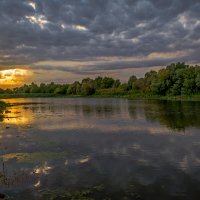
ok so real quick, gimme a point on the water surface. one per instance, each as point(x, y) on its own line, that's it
point(82, 148)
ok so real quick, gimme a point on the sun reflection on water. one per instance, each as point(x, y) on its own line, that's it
point(17, 115)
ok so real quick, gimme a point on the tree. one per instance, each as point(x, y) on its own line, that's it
point(107, 82)
point(34, 88)
point(124, 87)
point(197, 80)
point(98, 82)
point(74, 88)
point(87, 86)
point(117, 83)
point(131, 81)
point(60, 89)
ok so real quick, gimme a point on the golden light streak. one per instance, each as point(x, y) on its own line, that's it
point(17, 115)
point(12, 77)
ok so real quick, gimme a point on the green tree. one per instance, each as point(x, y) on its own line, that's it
point(74, 88)
point(107, 82)
point(131, 81)
point(87, 86)
point(34, 88)
point(98, 82)
point(117, 83)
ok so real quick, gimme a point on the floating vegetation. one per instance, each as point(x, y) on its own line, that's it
point(28, 126)
point(35, 157)
point(98, 192)
point(2, 105)
point(82, 194)
point(2, 110)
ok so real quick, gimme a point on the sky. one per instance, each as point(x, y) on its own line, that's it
point(67, 40)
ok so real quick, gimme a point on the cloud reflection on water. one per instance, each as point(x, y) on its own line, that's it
point(157, 117)
point(113, 141)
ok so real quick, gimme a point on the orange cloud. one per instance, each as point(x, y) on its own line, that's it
point(12, 77)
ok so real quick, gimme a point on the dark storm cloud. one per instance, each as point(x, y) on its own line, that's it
point(34, 31)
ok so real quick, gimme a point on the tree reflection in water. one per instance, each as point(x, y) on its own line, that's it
point(177, 115)
point(125, 164)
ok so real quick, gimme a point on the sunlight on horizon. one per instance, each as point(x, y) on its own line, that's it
point(12, 77)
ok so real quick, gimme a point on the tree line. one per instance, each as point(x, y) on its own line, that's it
point(175, 79)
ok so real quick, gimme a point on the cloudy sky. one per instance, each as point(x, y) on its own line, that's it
point(66, 40)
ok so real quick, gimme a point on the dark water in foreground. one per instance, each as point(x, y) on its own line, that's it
point(58, 149)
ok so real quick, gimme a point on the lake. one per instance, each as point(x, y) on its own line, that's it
point(87, 148)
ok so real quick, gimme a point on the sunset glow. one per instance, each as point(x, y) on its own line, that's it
point(12, 77)
point(66, 41)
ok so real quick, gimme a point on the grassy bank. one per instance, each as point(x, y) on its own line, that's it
point(99, 94)
point(26, 95)
point(36, 95)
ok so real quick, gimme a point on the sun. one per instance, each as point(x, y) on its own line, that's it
point(12, 77)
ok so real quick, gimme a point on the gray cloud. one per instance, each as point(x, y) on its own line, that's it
point(35, 31)
point(91, 69)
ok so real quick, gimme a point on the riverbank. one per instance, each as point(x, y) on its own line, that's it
point(107, 95)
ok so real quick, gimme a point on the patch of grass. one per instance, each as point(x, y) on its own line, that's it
point(98, 192)
point(79, 194)
point(34, 157)
point(27, 95)
point(101, 93)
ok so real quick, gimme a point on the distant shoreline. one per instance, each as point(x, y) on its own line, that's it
point(176, 81)
point(130, 97)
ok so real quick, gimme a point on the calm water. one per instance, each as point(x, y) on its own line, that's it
point(59, 149)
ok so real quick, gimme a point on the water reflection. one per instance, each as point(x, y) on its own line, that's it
point(175, 115)
point(17, 115)
point(102, 148)
point(13, 177)
point(2, 110)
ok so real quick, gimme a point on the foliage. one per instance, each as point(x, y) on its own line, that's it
point(176, 79)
